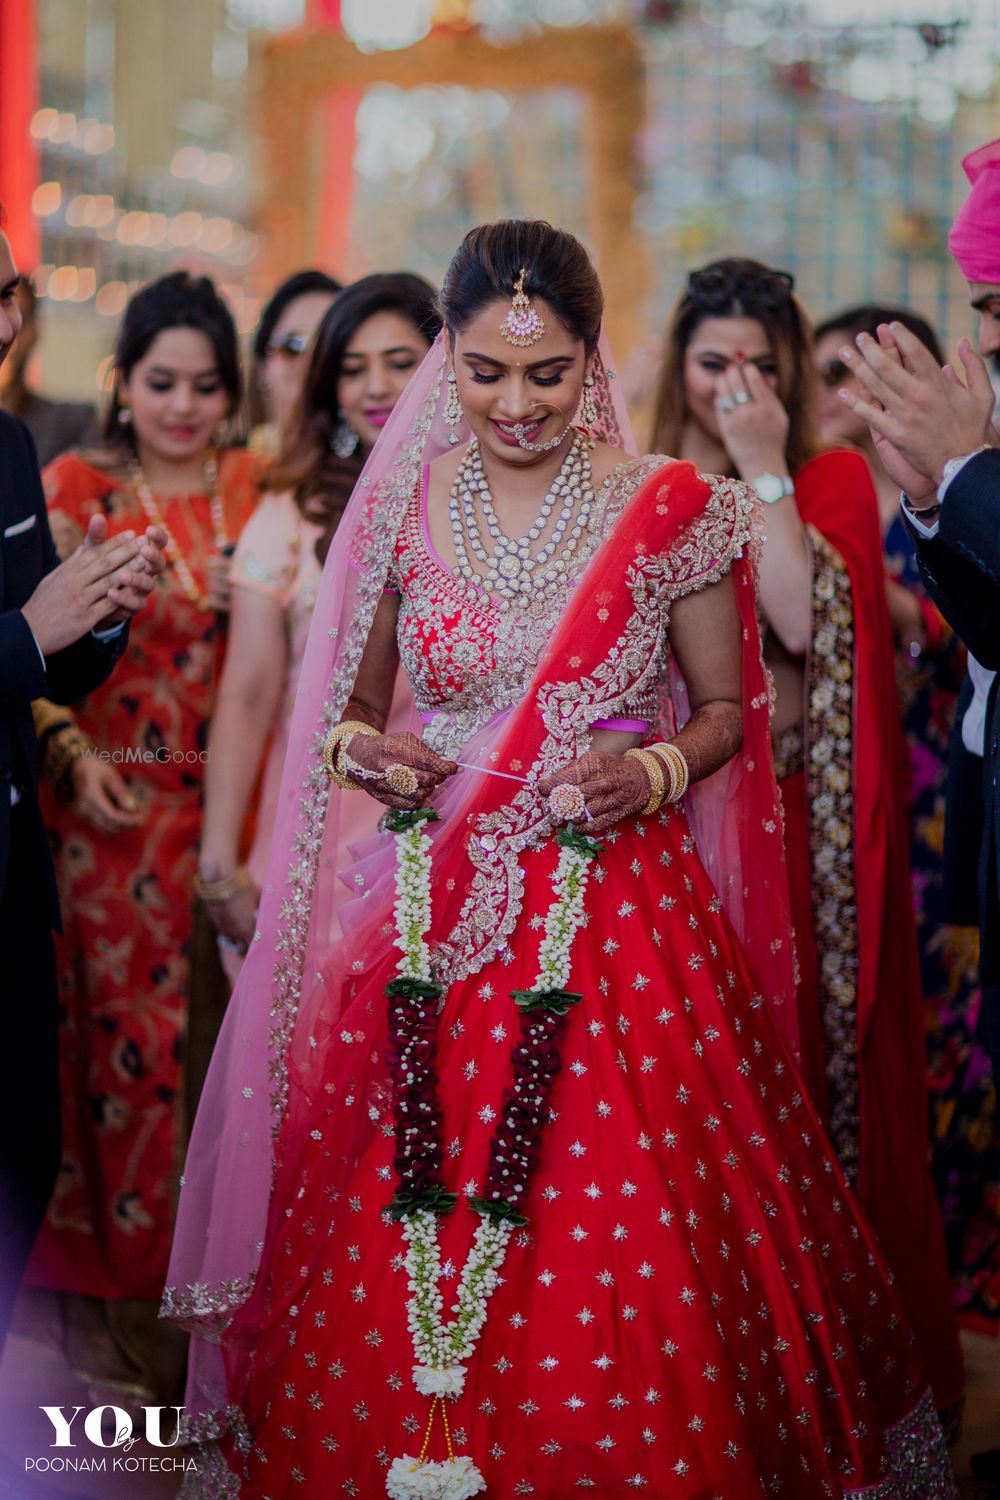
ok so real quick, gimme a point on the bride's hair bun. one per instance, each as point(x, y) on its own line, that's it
point(557, 268)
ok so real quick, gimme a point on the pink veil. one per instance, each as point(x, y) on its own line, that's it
point(323, 907)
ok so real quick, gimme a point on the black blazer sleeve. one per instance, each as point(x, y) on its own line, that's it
point(961, 565)
point(22, 671)
point(75, 671)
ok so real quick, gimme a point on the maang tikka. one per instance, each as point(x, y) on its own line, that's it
point(522, 326)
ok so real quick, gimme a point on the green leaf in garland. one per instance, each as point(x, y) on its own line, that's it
point(414, 989)
point(497, 1209)
point(432, 1200)
point(399, 819)
point(569, 837)
point(556, 1001)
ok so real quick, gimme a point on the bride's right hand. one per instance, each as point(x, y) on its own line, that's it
point(397, 769)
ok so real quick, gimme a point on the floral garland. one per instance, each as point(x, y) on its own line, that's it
point(421, 1198)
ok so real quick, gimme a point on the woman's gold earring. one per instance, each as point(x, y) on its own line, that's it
point(588, 409)
point(453, 413)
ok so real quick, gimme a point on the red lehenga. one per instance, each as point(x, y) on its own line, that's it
point(696, 1307)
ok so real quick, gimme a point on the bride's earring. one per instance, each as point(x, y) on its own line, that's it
point(453, 413)
point(588, 408)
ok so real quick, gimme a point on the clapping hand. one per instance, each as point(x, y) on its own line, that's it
point(129, 588)
point(75, 597)
point(920, 415)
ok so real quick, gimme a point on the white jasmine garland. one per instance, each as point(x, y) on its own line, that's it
point(409, 1479)
point(440, 1346)
point(563, 918)
point(449, 1382)
point(413, 902)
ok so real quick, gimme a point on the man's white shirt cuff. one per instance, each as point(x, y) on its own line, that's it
point(954, 467)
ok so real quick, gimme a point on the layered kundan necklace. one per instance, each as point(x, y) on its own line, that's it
point(441, 1348)
point(515, 568)
point(175, 556)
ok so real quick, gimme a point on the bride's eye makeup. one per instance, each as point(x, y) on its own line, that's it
point(482, 378)
point(488, 374)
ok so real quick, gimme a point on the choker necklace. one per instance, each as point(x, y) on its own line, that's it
point(513, 571)
point(175, 556)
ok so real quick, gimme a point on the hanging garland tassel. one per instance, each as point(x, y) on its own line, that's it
point(421, 1198)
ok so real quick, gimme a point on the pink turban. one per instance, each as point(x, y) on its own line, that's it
point(974, 240)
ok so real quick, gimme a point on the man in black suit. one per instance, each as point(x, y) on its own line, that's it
point(62, 628)
point(935, 436)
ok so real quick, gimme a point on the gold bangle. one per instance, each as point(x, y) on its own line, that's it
point(685, 771)
point(221, 890)
point(345, 730)
point(670, 767)
point(657, 782)
point(62, 748)
point(675, 761)
point(677, 765)
point(50, 717)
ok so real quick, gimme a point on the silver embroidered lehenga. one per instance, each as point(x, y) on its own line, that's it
point(695, 1306)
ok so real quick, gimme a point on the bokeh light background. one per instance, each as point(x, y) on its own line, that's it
point(824, 136)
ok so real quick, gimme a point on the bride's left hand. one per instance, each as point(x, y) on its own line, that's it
point(613, 788)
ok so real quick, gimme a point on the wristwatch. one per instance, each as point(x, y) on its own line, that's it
point(773, 487)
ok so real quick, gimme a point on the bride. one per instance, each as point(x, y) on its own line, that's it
point(503, 1179)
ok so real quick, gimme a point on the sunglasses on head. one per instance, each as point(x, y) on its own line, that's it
point(291, 345)
point(833, 373)
point(716, 289)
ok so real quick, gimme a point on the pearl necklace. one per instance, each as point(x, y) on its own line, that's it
point(175, 556)
point(513, 570)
